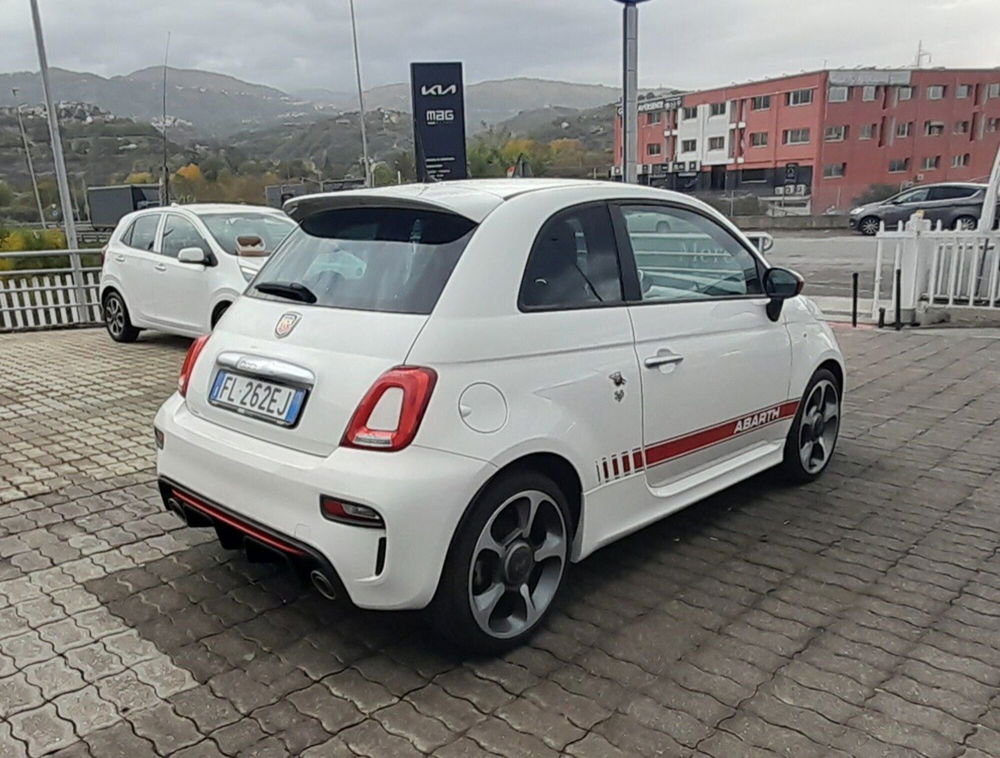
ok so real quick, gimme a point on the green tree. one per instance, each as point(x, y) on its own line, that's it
point(6, 195)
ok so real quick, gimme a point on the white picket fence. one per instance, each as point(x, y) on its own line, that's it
point(48, 298)
point(939, 268)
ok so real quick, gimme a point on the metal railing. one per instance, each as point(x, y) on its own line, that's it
point(57, 291)
point(938, 267)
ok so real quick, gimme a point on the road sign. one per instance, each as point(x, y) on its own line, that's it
point(438, 121)
point(791, 173)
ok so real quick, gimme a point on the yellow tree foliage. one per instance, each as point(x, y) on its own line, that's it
point(140, 177)
point(565, 146)
point(191, 172)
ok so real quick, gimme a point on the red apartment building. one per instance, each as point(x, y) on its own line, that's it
point(823, 137)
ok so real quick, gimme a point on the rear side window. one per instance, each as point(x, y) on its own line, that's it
point(179, 233)
point(394, 260)
point(142, 235)
point(951, 193)
point(573, 263)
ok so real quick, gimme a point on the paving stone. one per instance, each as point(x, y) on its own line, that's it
point(18, 694)
point(42, 729)
point(86, 710)
point(54, 677)
point(164, 728)
point(119, 741)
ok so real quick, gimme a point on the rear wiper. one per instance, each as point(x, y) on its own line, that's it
point(290, 290)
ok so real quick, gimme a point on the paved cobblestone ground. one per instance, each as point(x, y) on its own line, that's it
point(858, 616)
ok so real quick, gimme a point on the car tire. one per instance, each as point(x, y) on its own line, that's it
point(869, 225)
point(116, 318)
point(813, 437)
point(966, 223)
point(495, 590)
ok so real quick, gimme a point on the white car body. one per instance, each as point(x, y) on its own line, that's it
point(567, 390)
point(164, 293)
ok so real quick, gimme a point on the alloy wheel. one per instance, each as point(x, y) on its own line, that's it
point(114, 315)
point(870, 226)
point(517, 564)
point(819, 426)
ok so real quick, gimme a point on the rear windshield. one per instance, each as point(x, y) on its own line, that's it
point(393, 260)
point(226, 227)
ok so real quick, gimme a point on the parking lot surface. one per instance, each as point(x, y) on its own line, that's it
point(857, 616)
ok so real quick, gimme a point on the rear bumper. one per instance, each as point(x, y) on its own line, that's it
point(272, 494)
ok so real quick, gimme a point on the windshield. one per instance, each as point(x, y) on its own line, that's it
point(226, 227)
point(376, 259)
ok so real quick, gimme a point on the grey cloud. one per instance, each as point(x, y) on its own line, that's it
point(688, 43)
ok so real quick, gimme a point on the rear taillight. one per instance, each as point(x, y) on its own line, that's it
point(189, 360)
point(387, 420)
point(104, 254)
point(350, 513)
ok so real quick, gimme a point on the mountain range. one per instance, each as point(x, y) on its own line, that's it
point(217, 105)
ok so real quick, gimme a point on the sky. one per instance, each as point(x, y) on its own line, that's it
point(299, 44)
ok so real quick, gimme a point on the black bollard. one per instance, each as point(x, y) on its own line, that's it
point(899, 299)
point(881, 318)
point(854, 299)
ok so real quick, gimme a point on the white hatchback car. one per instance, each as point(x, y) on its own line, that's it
point(178, 269)
point(441, 395)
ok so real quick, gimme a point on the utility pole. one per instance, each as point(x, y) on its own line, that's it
point(65, 200)
point(27, 158)
point(921, 55)
point(166, 171)
point(630, 88)
point(361, 98)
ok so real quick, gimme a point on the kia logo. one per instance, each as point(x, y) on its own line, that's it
point(438, 90)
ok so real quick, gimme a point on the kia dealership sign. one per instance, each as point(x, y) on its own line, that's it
point(438, 121)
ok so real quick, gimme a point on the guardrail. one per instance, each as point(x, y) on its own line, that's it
point(59, 290)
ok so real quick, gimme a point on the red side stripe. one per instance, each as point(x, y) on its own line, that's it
point(267, 539)
point(675, 448)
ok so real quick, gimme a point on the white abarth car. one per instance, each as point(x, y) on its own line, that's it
point(178, 269)
point(442, 395)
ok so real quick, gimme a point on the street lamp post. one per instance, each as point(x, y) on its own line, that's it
point(361, 98)
point(27, 159)
point(630, 87)
point(65, 199)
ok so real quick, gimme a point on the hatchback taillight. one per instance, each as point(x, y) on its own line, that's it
point(188, 366)
point(104, 254)
point(393, 426)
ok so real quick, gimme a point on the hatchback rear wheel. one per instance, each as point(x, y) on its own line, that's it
point(869, 226)
point(966, 223)
point(506, 564)
point(116, 319)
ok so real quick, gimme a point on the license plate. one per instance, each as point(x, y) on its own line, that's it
point(272, 402)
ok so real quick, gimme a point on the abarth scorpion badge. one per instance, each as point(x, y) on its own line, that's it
point(286, 323)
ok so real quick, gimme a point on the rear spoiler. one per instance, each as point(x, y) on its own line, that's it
point(474, 206)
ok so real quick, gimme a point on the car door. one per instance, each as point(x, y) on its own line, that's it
point(716, 402)
point(903, 206)
point(135, 264)
point(184, 293)
point(946, 203)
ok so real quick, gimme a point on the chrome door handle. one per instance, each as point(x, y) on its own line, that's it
point(120, 258)
point(668, 359)
point(161, 267)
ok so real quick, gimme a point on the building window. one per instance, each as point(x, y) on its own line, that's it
point(799, 97)
point(993, 90)
point(869, 93)
point(835, 133)
point(868, 131)
point(796, 136)
point(654, 148)
point(717, 109)
point(904, 93)
point(931, 162)
point(834, 170)
point(961, 127)
point(935, 92)
point(958, 161)
point(654, 118)
point(716, 143)
point(689, 146)
point(758, 139)
point(760, 103)
point(839, 94)
point(963, 91)
point(904, 129)
point(993, 125)
point(690, 113)
point(898, 165)
point(933, 128)
point(753, 176)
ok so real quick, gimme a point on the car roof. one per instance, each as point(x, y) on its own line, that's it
point(472, 198)
point(975, 185)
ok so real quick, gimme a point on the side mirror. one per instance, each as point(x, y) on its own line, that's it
point(250, 246)
point(780, 284)
point(191, 255)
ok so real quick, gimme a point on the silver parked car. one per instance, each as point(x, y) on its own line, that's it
point(957, 205)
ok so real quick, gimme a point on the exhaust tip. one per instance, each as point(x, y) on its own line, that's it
point(323, 585)
point(174, 506)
